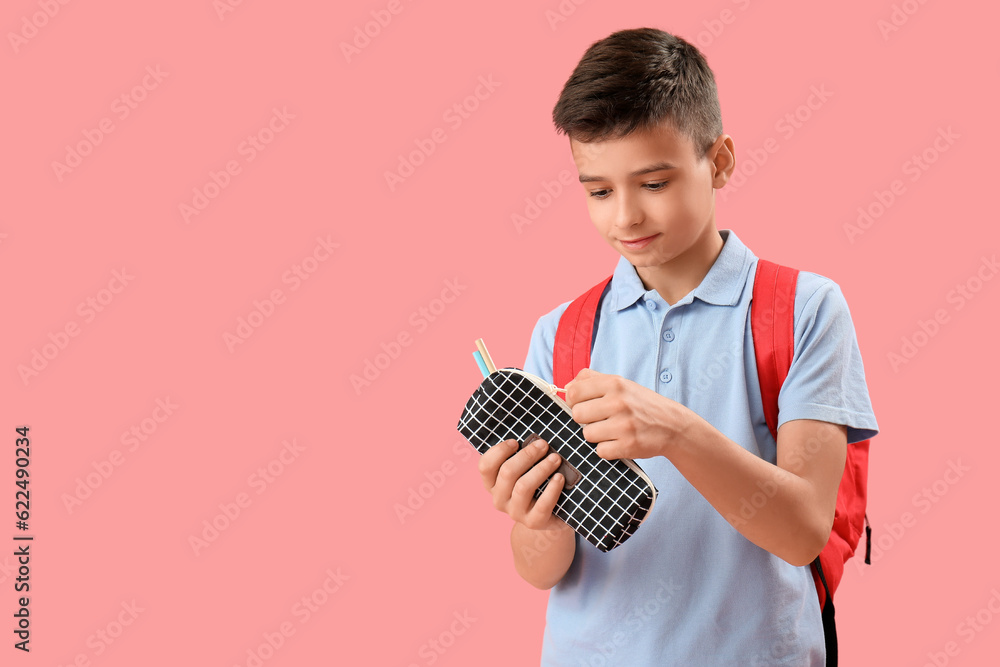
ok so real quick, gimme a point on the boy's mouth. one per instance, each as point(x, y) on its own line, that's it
point(639, 242)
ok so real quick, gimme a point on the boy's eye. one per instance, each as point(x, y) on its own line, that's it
point(653, 187)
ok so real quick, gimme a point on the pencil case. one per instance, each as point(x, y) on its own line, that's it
point(604, 501)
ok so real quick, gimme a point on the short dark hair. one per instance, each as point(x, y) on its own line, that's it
point(634, 80)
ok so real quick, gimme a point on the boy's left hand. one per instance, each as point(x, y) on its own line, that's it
point(625, 419)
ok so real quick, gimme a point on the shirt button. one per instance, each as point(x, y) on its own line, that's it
point(668, 335)
point(650, 304)
point(665, 376)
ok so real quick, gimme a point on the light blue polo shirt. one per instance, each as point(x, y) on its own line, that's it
point(688, 588)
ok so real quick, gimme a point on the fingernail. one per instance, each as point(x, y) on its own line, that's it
point(530, 439)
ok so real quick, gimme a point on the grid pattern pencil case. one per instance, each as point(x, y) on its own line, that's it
point(610, 499)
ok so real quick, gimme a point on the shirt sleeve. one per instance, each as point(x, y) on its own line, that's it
point(543, 337)
point(826, 380)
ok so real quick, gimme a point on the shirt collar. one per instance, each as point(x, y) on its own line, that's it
point(722, 285)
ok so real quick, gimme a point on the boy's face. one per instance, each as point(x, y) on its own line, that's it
point(634, 194)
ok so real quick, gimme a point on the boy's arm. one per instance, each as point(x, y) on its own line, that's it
point(542, 557)
point(786, 509)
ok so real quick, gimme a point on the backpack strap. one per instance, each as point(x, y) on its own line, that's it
point(771, 319)
point(571, 350)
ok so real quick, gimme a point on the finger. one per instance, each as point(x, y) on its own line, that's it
point(523, 494)
point(546, 503)
point(587, 385)
point(610, 450)
point(572, 393)
point(515, 466)
point(601, 431)
point(490, 462)
point(588, 411)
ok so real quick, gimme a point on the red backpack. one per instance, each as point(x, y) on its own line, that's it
point(771, 321)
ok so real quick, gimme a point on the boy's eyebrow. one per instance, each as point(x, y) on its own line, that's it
point(659, 166)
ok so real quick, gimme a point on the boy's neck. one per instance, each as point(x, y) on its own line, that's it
point(686, 271)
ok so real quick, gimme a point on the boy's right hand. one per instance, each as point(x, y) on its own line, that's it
point(511, 477)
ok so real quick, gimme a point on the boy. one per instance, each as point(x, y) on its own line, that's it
point(673, 384)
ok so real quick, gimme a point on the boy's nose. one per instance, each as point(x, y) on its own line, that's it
point(627, 214)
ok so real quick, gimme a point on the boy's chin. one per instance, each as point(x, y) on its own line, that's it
point(644, 260)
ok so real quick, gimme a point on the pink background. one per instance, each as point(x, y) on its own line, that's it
point(399, 585)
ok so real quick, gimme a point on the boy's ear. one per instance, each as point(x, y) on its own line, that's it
point(722, 155)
